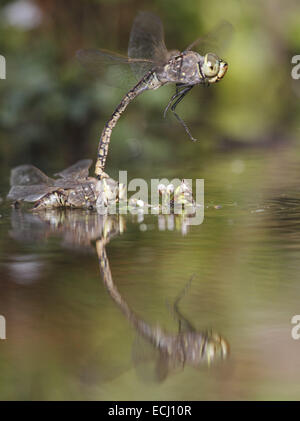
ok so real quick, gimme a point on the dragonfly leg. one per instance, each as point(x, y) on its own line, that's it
point(177, 94)
point(170, 102)
point(182, 95)
point(183, 323)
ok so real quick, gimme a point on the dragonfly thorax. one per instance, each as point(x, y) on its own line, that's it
point(182, 68)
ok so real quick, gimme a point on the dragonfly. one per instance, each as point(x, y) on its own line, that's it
point(72, 189)
point(154, 67)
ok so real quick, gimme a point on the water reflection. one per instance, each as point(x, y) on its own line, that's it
point(25, 269)
point(83, 230)
point(174, 350)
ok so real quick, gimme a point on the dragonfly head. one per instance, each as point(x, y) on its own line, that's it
point(213, 68)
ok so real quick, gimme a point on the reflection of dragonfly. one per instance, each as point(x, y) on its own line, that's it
point(78, 228)
point(155, 66)
point(74, 188)
point(188, 346)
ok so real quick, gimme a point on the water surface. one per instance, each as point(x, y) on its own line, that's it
point(67, 338)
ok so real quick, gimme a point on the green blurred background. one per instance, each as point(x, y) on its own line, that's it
point(52, 112)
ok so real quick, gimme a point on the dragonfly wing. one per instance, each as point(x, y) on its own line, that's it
point(147, 41)
point(114, 67)
point(79, 170)
point(216, 41)
point(28, 175)
point(29, 193)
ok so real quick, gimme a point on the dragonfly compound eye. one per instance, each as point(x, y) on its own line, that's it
point(211, 65)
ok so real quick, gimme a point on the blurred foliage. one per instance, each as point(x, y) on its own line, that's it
point(52, 112)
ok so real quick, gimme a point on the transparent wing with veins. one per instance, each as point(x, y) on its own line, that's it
point(147, 41)
point(30, 184)
point(115, 68)
point(77, 171)
point(216, 41)
point(146, 50)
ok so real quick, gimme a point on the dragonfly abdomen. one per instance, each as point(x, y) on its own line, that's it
point(149, 81)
